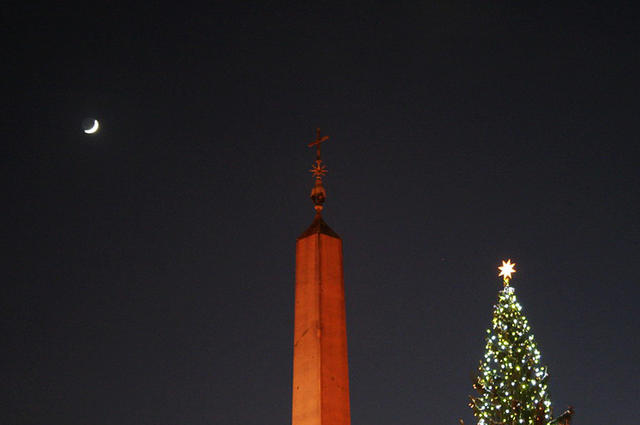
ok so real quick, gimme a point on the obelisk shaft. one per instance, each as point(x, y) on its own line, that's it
point(320, 368)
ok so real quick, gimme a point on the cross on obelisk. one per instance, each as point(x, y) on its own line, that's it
point(318, 194)
point(317, 143)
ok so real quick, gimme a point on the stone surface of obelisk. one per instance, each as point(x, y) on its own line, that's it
point(320, 367)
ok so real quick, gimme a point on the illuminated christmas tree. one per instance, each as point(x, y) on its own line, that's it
point(511, 381)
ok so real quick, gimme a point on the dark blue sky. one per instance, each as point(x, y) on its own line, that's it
point(149, 270)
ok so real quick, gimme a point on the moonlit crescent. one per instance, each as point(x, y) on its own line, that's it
point(94, 128)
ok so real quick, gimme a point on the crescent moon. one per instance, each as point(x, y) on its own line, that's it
point(93, 129)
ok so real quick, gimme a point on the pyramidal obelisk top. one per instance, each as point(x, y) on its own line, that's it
point(320, 393)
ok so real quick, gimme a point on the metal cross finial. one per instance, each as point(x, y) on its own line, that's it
point(318, 194)
point(317, 142)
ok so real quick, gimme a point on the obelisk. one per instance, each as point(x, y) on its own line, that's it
point(320, 369)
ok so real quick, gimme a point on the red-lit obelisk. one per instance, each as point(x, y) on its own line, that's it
point(320, 370)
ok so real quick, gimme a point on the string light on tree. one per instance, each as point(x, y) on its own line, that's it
point(511, 381)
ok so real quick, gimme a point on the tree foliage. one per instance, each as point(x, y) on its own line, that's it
point(511, 382)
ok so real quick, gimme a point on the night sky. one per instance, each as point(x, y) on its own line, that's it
point(149, 268)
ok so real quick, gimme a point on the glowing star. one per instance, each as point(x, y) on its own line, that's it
point(507, 269)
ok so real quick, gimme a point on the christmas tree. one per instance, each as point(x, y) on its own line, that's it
point(511, 381)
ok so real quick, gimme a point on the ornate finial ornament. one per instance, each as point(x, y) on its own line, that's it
point(318, 194)
point(506, 270)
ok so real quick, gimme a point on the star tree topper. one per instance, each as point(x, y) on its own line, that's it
point(506, 270)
